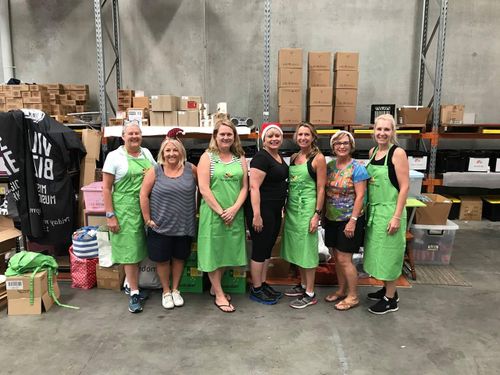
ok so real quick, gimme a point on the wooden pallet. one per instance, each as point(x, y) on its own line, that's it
point(469, 129)
point(64, 119)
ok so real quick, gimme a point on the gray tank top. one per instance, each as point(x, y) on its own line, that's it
point(172, 202)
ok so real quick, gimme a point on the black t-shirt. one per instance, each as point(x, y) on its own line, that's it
point(275, 185)
point(390, 166)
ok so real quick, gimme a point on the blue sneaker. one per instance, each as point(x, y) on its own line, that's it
point(143, 294)
point(134, 304)
point(271, 291)
point(262, 297)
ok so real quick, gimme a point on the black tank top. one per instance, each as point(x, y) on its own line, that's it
point(310, 168)
point(390, 166)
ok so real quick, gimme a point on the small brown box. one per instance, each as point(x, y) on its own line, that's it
point(346, 79)
point(413, 115)
point(344, 115)
point(290, 58)
point(452, 114)
point(435, 212)
point(290, 115)
point(188, 103)
point(125, 93)
point(345, 97)
point(110, 277)
point(346, 61)
point(289, 77)
point(320, 115)
point(170, 118)
point(164, 103)
point(471, 208)
point(54, 86)
point(290, 96)
point(140, 101)
point(188, 118)
point(319, 61)
point(320, 96)
point(156, 118)
point(75, 87)
point(319, 78)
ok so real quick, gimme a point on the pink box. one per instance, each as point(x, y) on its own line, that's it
point(93, 197)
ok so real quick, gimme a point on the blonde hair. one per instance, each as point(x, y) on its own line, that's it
point(236, 148)
point(314, 144)
point(178, 144)
point(339, 135)
point(387, 117)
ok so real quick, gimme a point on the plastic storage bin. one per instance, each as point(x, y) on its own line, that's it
point(491, 207)
point(93, 197)
point(416, 179)
point(433, 244)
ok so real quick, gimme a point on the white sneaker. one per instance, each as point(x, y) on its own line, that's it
point(167, 301)
point(178, 300)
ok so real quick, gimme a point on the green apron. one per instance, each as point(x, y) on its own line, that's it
point(383, 253)
point(220, 245)
point(299, 246)
point(129, 244)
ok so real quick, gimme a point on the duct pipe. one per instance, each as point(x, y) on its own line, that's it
point(5, 41)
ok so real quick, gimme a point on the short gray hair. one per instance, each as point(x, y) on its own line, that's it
point(127, 124)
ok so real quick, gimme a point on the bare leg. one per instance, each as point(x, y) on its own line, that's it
point(257, 268)
point(132, 275)
point(350, 273)
point(163, 271)
point(177, 269)
point(220, 298)
point(303, 277)
point(341, 291)
point(390, 288)
point(310, 274)
point(264, 270)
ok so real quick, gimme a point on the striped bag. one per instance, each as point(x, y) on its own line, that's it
point(85, 242)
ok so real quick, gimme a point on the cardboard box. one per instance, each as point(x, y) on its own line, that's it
point(290, 115)
point(289, 77)
point(413, 115)
point(8, 235)
point(137, 114)
point(189, 103)
point(344, 115)
point(290, 58)
point(320, 115)
point(346, 61)
point(94, 218)
point(319, 61)
point(125, 94)
point(319, 78)
point(471, 208)
point(171, 119)
point(91, 140)
point(436, 211)
point(346, 79)
point(164, 103)
point(110, 277)
point(87, 171)
point(320, 96)
point(188, 118)
point(290, 96)
point(452, 114)
point(345, 97)
point(140, 102)
point(156, 118)
point(18, 294)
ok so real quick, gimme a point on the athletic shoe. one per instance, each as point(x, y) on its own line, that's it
point(295, 291)
point(379, 294)
point(167, 301)
point(143, 294)
point(177, 298)
point(384, 306)
point(134, 304)
point(269, 290)
point(304, 301)
point(262, 297)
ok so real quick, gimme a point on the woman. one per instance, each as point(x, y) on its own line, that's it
point(307, 179)
point(123, 172)
point(386, 224)
point(223, 184)
point(344, 221)
point(268, 187)
point(169, 208)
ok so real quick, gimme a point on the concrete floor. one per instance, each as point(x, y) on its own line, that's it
point(438, 330)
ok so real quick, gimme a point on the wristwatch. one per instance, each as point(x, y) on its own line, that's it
point(109, 215)
point(318, 212)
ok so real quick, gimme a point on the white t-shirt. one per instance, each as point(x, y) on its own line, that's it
point(116, 162)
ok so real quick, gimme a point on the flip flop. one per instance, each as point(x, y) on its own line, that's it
point(221, 307)
point(335, 298)
point(228, 296)
point(344, 305)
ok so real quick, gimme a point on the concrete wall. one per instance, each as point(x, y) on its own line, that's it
point(163, 47)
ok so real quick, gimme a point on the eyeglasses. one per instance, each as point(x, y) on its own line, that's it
point(345, 144)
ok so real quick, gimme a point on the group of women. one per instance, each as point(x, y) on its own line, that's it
point(162, 195)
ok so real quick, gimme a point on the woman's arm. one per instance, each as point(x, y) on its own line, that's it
point(319, 166)
point(147, 186)
point(359, 191)
point(400, 161)
point(230, 212)
point(203, 173)
point(108, 180)
point(195, 172)
point(256, 178)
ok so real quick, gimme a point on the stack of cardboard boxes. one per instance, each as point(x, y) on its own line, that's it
point(320, 90)
point(345, 84)
point(171, 110)
point(290, 86)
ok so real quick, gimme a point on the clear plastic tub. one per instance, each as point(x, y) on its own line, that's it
point(433, 244)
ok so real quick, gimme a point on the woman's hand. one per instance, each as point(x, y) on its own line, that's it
point(313, 224)
point(393, 225)
point(349, 229)
point(257, 223)
point(151, 224)
point(113, 225)
point(228, 215)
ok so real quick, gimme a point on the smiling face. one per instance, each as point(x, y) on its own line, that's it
point(132, 137)
point(273, 139)
point(383, 132)
point(171, 154)
point(225, 138)
point(304, 137)
point(342, 146)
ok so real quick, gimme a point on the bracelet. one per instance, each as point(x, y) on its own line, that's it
point(354, 218)
point(396, 217)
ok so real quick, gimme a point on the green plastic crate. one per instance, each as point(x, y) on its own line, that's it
point(192, 280)
point(234, 280)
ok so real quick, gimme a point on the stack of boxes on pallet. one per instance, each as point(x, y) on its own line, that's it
point(290, 86)
point(53, 98)
point(320, 90)
point(345, 84)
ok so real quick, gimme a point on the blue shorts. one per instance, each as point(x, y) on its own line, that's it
point(162, 248)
